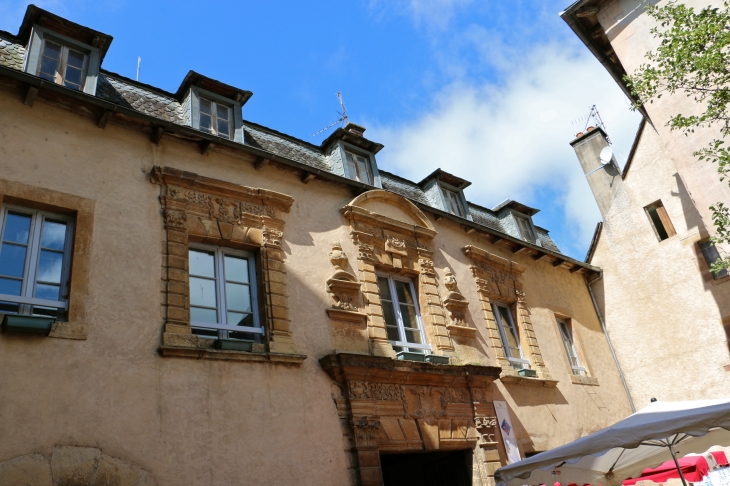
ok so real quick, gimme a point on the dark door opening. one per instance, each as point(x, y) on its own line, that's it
point(449, 468)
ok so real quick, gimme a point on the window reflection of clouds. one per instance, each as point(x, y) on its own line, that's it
point(54, 235)
point(49, 267)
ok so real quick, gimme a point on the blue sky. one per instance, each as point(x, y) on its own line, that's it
point(485, 89)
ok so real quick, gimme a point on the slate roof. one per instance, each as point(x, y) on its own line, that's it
point(166, 106)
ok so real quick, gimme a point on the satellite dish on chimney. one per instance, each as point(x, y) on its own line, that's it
point(606, 155)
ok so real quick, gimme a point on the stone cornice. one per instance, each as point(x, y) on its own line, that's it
point(492, 259)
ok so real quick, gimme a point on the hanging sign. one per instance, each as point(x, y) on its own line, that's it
point(508, 433)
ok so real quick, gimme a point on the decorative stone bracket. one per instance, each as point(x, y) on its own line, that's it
point(197, 208)
point(456, 304)
point(344, 289)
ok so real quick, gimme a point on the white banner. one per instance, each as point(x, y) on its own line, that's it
point(508, 433)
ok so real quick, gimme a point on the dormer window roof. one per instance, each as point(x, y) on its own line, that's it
point(521, 215)
point(445, 191)
point(353, 155)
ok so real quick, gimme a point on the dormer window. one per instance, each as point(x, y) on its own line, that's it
point(452, 202)
point(62, 60)
point(215, 118)
point(358, 168)
point(525, 226)
point(62, 65)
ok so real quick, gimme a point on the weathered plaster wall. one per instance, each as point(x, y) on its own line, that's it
point(663, 309)
point(628, 28)
point(208, 422)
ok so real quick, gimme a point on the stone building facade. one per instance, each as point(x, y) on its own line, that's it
point(193, 298)
point(666, 313)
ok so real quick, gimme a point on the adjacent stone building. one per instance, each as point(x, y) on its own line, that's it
point(192, 298)
point(665, 312)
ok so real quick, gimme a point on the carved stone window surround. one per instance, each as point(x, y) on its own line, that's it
point(499, 280)
point(83, 210)
point(201, 209)
point(395, 247)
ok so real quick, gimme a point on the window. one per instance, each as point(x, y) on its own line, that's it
point(709, 251)
point(215, 118)
point(223, 293)
point(358, 167)
point(35, 254)
point(566, 334)
point(401, 314)
point(62, 65)
point(452, 202)
point(510, 336)
point(660, 220)
point(525, 226)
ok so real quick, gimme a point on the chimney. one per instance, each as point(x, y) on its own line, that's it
point(355, 129)
point(605, 180)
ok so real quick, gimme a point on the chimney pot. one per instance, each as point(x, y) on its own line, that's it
point(590, 129)
point(579, 134)
point(355, 129)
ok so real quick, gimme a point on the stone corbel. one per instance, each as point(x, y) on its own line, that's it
point(344, 289)
point(456, 304)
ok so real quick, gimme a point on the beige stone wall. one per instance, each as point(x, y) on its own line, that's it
point(663, 309)
point(203, 421)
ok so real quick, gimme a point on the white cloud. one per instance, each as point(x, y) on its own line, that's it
point(512, 139)
point(432, 13)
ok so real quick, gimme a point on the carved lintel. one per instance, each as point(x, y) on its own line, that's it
point(396, 245)
point(176, 220)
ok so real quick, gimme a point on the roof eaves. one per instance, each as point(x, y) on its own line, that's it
point(594, 242)
point(634, 146)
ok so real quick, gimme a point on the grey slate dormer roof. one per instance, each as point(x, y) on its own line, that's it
point(170, 107)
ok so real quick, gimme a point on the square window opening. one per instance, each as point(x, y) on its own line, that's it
point(663, 227)
point(402, 314)
point(62, 65)
point(525, 226)
point(452, 202)
point(35, 258)
point(358, 167)
point(566, 335)
point(223, 294)
point(711, 255)
point(215, 118)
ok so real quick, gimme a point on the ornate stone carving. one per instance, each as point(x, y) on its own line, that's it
point(344, 289)
point(396, 245)
point(225, 210)
point(366, 431)
point(176, 220)
point(272, 237)
point(366, 252)
point(426, 267)
point(456, 305)
point(449, 280)
point(337, 256)
point(486, 427)
point(376, 391)
point(424, 401)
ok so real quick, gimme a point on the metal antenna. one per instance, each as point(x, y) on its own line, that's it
point(139, 61)
point(595, 116)
point(343, 116)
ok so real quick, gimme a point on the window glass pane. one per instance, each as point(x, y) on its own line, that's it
point(525, 229)
point(202, 292)
point(239, 319)
point(403, 291)
point(49, 68)
point(54, 235)
point(418, 351)
point(49, 266)
point(12, 260)
point(408, 312)
point(17, 228)
point(236, 269)
point(352, 169)
point(509, 332)
point(47, 311)
point(72, 78)
point(201, 263)
point(388, 313)
point(383, 289)
point(392, 332)
point(222, 112)
point(75, 59)
point(224, 130)
point(209, 316)
point(52, 50)
point(44, 291)
point(205, 107)
point(205, 332)
point(363, 169)
point(238, 297)
point(9, 287)
point(206, 123)
point(413, 336)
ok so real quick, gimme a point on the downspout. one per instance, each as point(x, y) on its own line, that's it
point(608, 339)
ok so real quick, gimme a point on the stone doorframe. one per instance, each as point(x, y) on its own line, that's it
point(499, 280)
point(387, 405)
point(396, 247)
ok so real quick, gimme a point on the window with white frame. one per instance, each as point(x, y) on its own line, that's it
point(525, 226)
point(510, 336)
point(402, 315)
point(358, 167)
point(223, 293)
point(62, 65)
point(453, 203)
point(566, 334)
point(215, 118)
point(35, 256)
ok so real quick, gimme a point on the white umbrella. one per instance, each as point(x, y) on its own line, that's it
point(645, 439)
